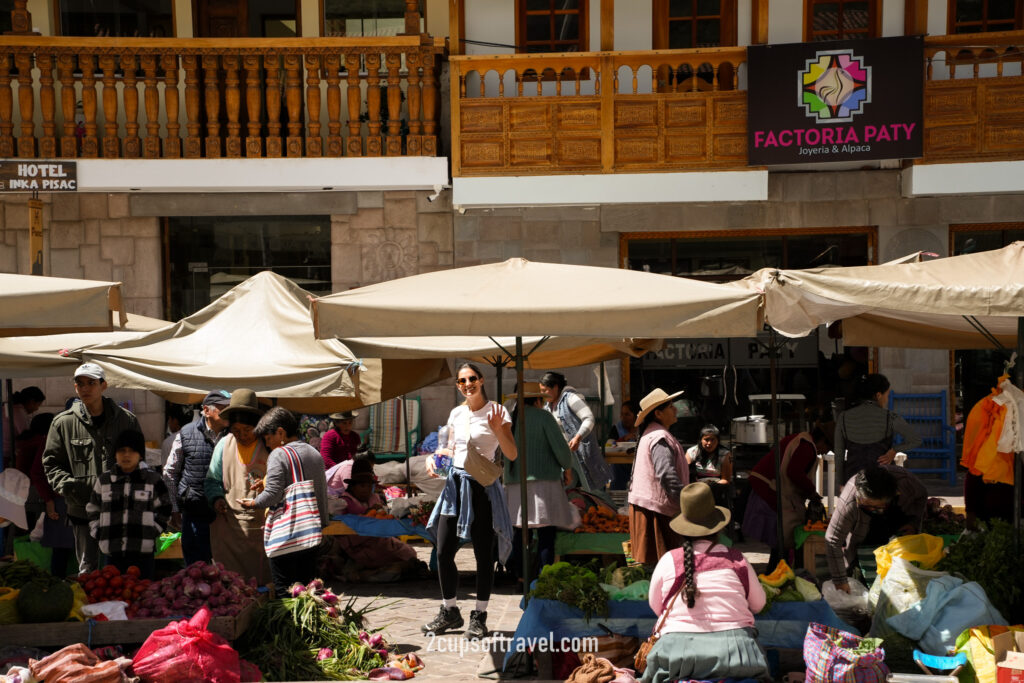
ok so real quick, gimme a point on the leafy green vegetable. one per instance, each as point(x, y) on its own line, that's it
point(989, 557)
point(576, 586)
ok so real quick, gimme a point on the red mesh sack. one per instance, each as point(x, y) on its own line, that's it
point(186, 651)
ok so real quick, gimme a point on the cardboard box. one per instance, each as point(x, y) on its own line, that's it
point(1008, 649)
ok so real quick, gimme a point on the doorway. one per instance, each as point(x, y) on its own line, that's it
point(245, 18)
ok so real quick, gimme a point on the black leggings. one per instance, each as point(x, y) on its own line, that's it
point(482, 533)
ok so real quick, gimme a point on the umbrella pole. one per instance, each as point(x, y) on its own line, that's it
point(776, 439)
point(604, 412)
point(521, 449)
point(3, 455)
point(408, 449)
point(1018, 470)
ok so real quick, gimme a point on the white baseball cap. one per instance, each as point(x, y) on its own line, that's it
point(91, 370)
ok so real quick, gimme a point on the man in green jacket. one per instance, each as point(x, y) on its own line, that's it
point(79, 447)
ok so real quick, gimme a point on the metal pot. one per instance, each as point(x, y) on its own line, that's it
point(754, 429)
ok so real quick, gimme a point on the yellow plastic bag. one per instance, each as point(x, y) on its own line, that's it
point(8, 609)
point(81, 599)
point(981, 660)
point(924, 549)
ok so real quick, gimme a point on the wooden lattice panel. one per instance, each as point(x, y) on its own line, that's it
point(981, 118)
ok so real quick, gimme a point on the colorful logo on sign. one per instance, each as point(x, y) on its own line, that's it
point(834, 86)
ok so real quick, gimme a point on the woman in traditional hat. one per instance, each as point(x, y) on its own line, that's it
point(387, 556)
point(659, 473)
point(237, 469)
point(705, 596)
point(340, 442)
point(548, 508)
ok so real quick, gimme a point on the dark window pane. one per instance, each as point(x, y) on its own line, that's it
point(680, 35)
point(538, 5)
point(567, 4)
point(142, 18)
point(709, 33)
point(365, 18)
point(534, 49)
point(709, 7)
point(538, 28)
point(5, 15)
point(209, 255)
point(1000, 9)
point(680, 8)
point(855, 16)
point(567, 27)
point(966, 28)
point(826, 16)
point(1000, 26)
point(969, 10)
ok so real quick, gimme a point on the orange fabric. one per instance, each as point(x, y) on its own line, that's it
point(981, 434)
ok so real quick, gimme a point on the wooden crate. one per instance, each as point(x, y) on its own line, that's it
point(132, 631)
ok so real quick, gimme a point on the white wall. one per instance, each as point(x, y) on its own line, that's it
point(743, 22)
point(785, 21)
point(632, 25)
point(937, 17)
point(892, 18)
point(492, 21)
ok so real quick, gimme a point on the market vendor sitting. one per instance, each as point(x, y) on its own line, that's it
point(875, 504)
point(711, 463)
point(340, 442)
point(388, 557)
point(705, 596)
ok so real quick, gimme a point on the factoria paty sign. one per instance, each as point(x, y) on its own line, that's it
point(38, 176)
point(841, 100)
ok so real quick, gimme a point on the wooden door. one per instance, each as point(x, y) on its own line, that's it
point(221, 18)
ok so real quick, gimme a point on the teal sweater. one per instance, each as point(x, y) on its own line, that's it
point(547, 453)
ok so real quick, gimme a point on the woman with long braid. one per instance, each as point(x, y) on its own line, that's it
point(709, 595)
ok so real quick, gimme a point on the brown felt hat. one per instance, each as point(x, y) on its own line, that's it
point(699, 515)
point(242, 401)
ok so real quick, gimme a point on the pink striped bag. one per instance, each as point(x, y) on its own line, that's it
point(832, 656)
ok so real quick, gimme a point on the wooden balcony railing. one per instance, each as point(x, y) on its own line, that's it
point(598, 112)
point(974, 97)
point(207, 98)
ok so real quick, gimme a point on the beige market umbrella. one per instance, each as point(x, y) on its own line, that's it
point(259, 335)
point(55, 355)
point(941, 304)
point(36, 304)
point(518, 298)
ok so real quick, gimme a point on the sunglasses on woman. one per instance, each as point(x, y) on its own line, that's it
point(472, 379)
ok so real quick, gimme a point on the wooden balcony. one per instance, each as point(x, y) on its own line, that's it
point(153, 98)
point(671, 110)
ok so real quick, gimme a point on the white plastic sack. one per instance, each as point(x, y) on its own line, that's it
point(113, 610)
point(37, 531)
point(903, 586)
point(841, 601)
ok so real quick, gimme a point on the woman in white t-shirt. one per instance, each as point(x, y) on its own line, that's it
point(466, 506)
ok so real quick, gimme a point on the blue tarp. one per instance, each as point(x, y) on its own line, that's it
point(784, 625)
point(369, 526)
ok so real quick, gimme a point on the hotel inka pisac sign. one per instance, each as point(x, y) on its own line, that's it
point(843, 100)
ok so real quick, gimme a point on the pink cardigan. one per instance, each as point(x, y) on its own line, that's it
point(722, 602)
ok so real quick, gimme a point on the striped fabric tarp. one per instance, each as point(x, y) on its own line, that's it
point(386, 425)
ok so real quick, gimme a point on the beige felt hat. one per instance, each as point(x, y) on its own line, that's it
point(699, 515)
point(652, 401)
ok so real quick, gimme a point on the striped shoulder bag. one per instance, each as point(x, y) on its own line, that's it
point(293, 525)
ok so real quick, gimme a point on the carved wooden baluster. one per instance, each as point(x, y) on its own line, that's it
point(272, 64)
point(314, 145)
point(193, 145)
point(233, 104)
point(414, 142)
point(332, 63)
point(130, 94)
point(354, 144)
point(211, 79)
point(558, 83)
point(373, 122)
point(6, 107)
point(26, 105)
point(393, 143)
point(520, 77)
point(65, 73)
point(172, 103)
point(429, 106)
point(90, 142)
point(47, 106)
point(293, 99)
point(151, 103)
point(111, 142)
point(253, 106)
point(501, 85)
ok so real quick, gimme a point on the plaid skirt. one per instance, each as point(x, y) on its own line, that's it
point(705, 656)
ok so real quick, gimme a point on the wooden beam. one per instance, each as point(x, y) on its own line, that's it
point(607, 25)
point(456, 27)
point(915, 17)
point(759, 22)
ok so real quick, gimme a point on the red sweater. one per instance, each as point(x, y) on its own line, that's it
point(799, 467)
point(336, 447)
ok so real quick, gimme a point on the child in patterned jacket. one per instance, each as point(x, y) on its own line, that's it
point(129, 507)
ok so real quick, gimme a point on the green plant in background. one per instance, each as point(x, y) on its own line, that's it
point(990, 558)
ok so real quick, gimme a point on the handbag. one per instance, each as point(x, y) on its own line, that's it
point(293, 525)
point(482, 469)
point(832, 656)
